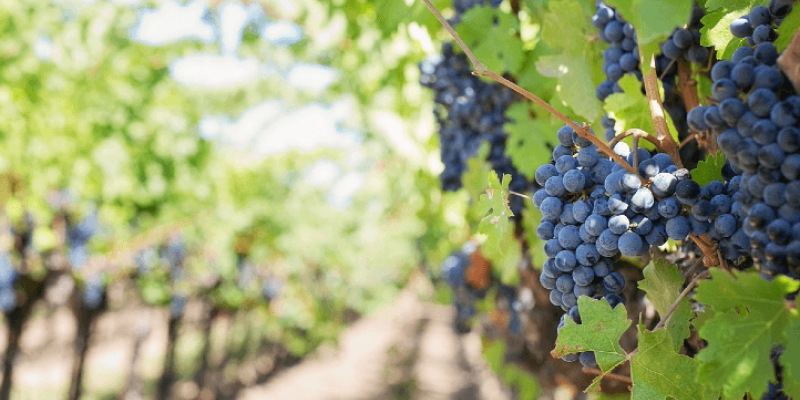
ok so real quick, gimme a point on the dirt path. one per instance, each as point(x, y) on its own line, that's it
point(407, 351)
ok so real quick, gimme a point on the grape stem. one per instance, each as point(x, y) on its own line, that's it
point(638, 132)
point(612, 376)
point(678, 300)
point(481, 70)
point(524, 196)
point(657, 115)
point(709, 250)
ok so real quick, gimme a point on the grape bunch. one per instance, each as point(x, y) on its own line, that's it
point(622, 56)
point(470, 112)
point(594, 211)
point(8, 276)
point(755, 115)
point(455, 271)
point(759, 25)
point(78, 236)
point(685, 42)
point(93, 292)
point(174, 255)
point(475, 112)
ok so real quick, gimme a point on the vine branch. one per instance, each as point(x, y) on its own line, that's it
point(481, 70)
point(657, 115)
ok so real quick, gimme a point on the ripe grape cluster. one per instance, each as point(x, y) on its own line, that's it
point(755, 115)
point(454, 272)
point(759, 26)
point(472, 112)
point(594, 211)
point(8, 276)
point(685, 42)
point(78, 236)
point(622, 56)
point(174, 254)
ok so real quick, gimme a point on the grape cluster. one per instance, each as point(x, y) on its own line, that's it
point(454, 271)
point(79, 235)
point(759, 26)
point(594, 211)
point(475, 112)
point(8, 276)
point(93, 292)
point(622, 56)
point(755, 115)
point(174, 255)
point(685, 42)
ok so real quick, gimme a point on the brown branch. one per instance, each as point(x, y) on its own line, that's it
point(708, 249)
point(789, 62)
point(481, 70)
point(657, 114)
point(479, 67)
point(612, 376)
point(681, 296)
point(688, 139)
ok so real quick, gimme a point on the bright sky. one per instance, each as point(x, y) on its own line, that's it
point(269, 127)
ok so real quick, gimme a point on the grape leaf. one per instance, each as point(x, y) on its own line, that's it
point(600, 332)
point(658, 371)
point(787, 30)
point(506, 258)
point(663, 283)
point(529, 137)
point(573, 67)
point(629, 108)
point(751, 315)
point(491, 34)
point(654, 21)
point(493, 207)
point(709, 170)
point(790, 359)
point(717, 21)
point(474, 178)
point(574, 74)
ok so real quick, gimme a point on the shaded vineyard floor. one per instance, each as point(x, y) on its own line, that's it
point(408, 350)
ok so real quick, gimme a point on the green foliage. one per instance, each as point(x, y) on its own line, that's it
point(659, 372)
point(486, 31)
point(530, 135)
point(501, 246)
point(526, 384)
point(600, 331)
point(709, 170)
point(787, 30)
point(629, 108)
point(495, 213)
point(751, 316)
point(717, 21)
point(790, 359)
point(573, 66)
point(654, 20)
point(663, 283)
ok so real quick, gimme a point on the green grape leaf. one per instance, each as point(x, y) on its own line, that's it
point(790, 359)
point(658, 371)
point(505, 259)
point(491, 34)
point(751, 315)
point(600, 331)
point(629, 108)
point(495, 355)
point(495, 213)
point(702, 317)
point(528, 137)
point(786, 31)
point(474, 178)
point(573, 67)
point(709, 170)
point(663, 283)
point(654, 21)
point(717, 21)
point(574, 74)
point(532, 80)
